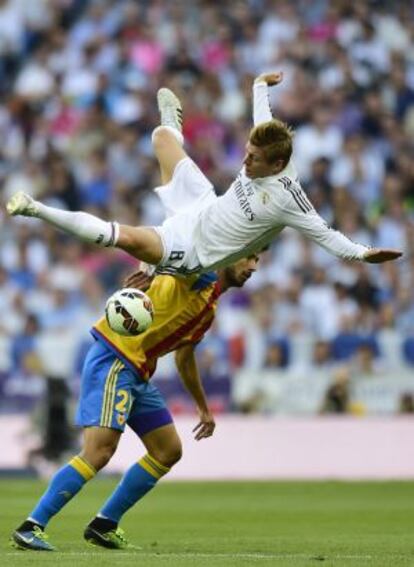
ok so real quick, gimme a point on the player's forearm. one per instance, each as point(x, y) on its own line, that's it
point(261, 106)
point(341, 246)
point(338, 244)
point(312, 226)
point(190, 376)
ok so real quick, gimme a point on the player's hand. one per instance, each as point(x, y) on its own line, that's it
point(205, 427)
point(139, 280)
point(271, 79)
point(379, 255)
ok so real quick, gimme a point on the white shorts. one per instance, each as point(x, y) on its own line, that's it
point(188, 192)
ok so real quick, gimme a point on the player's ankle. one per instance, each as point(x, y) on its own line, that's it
point(103, 524)
point(29, 525)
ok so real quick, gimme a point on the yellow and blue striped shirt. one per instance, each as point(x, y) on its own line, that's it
point(182, 315)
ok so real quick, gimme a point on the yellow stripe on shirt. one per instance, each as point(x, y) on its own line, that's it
point(178, 312)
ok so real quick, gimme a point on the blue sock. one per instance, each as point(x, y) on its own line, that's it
point(64, 485)
point(136, 482)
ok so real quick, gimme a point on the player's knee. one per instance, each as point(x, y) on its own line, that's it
point(104, 455)
point(175, 455)
point(100, 456)
point(142, 242)
point(169, 456)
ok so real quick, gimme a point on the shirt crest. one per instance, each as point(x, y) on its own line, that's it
point(265, 198)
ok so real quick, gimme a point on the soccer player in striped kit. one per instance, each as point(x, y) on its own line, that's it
point(116, 391)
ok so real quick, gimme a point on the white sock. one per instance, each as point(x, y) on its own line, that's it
point(82, 225)
point(176, 133)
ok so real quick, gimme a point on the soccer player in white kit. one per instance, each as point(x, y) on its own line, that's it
point(205, 232)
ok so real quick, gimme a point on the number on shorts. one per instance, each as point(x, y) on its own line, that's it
point(176, 255)
point(121, 406)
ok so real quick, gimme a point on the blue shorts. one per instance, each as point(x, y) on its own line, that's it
point(112, 395)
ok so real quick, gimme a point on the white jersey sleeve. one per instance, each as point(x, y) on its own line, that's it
point(261, 105)
point(298, 213)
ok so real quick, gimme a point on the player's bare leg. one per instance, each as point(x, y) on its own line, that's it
point(164, 444)
point(168, 150)
point(99, 444)
point(163, 451)
point(143, 243)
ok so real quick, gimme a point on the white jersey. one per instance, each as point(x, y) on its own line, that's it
point(253, 211)
point(205, 232)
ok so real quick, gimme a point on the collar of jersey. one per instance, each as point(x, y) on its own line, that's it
point(204, 280)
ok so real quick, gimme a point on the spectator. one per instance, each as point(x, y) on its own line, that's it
point(337, 396)
point(77, 107)
point(407, 403)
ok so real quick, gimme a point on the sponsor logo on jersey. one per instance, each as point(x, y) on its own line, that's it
point(243, 201)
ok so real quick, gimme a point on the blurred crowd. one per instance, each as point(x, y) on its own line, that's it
point(78, 80)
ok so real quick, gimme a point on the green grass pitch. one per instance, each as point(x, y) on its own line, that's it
point(225, 524)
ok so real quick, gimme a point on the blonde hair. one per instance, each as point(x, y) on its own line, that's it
point(275, 138)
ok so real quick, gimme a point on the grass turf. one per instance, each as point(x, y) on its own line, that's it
point(226, 524)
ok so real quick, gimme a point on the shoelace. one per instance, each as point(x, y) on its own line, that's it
point(40, 533)
point(120, 535)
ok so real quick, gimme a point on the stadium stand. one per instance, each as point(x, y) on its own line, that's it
point(77, 106)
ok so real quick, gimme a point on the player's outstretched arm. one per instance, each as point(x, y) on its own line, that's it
point(261, 106)
point(187, 368)
point(313, 226)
